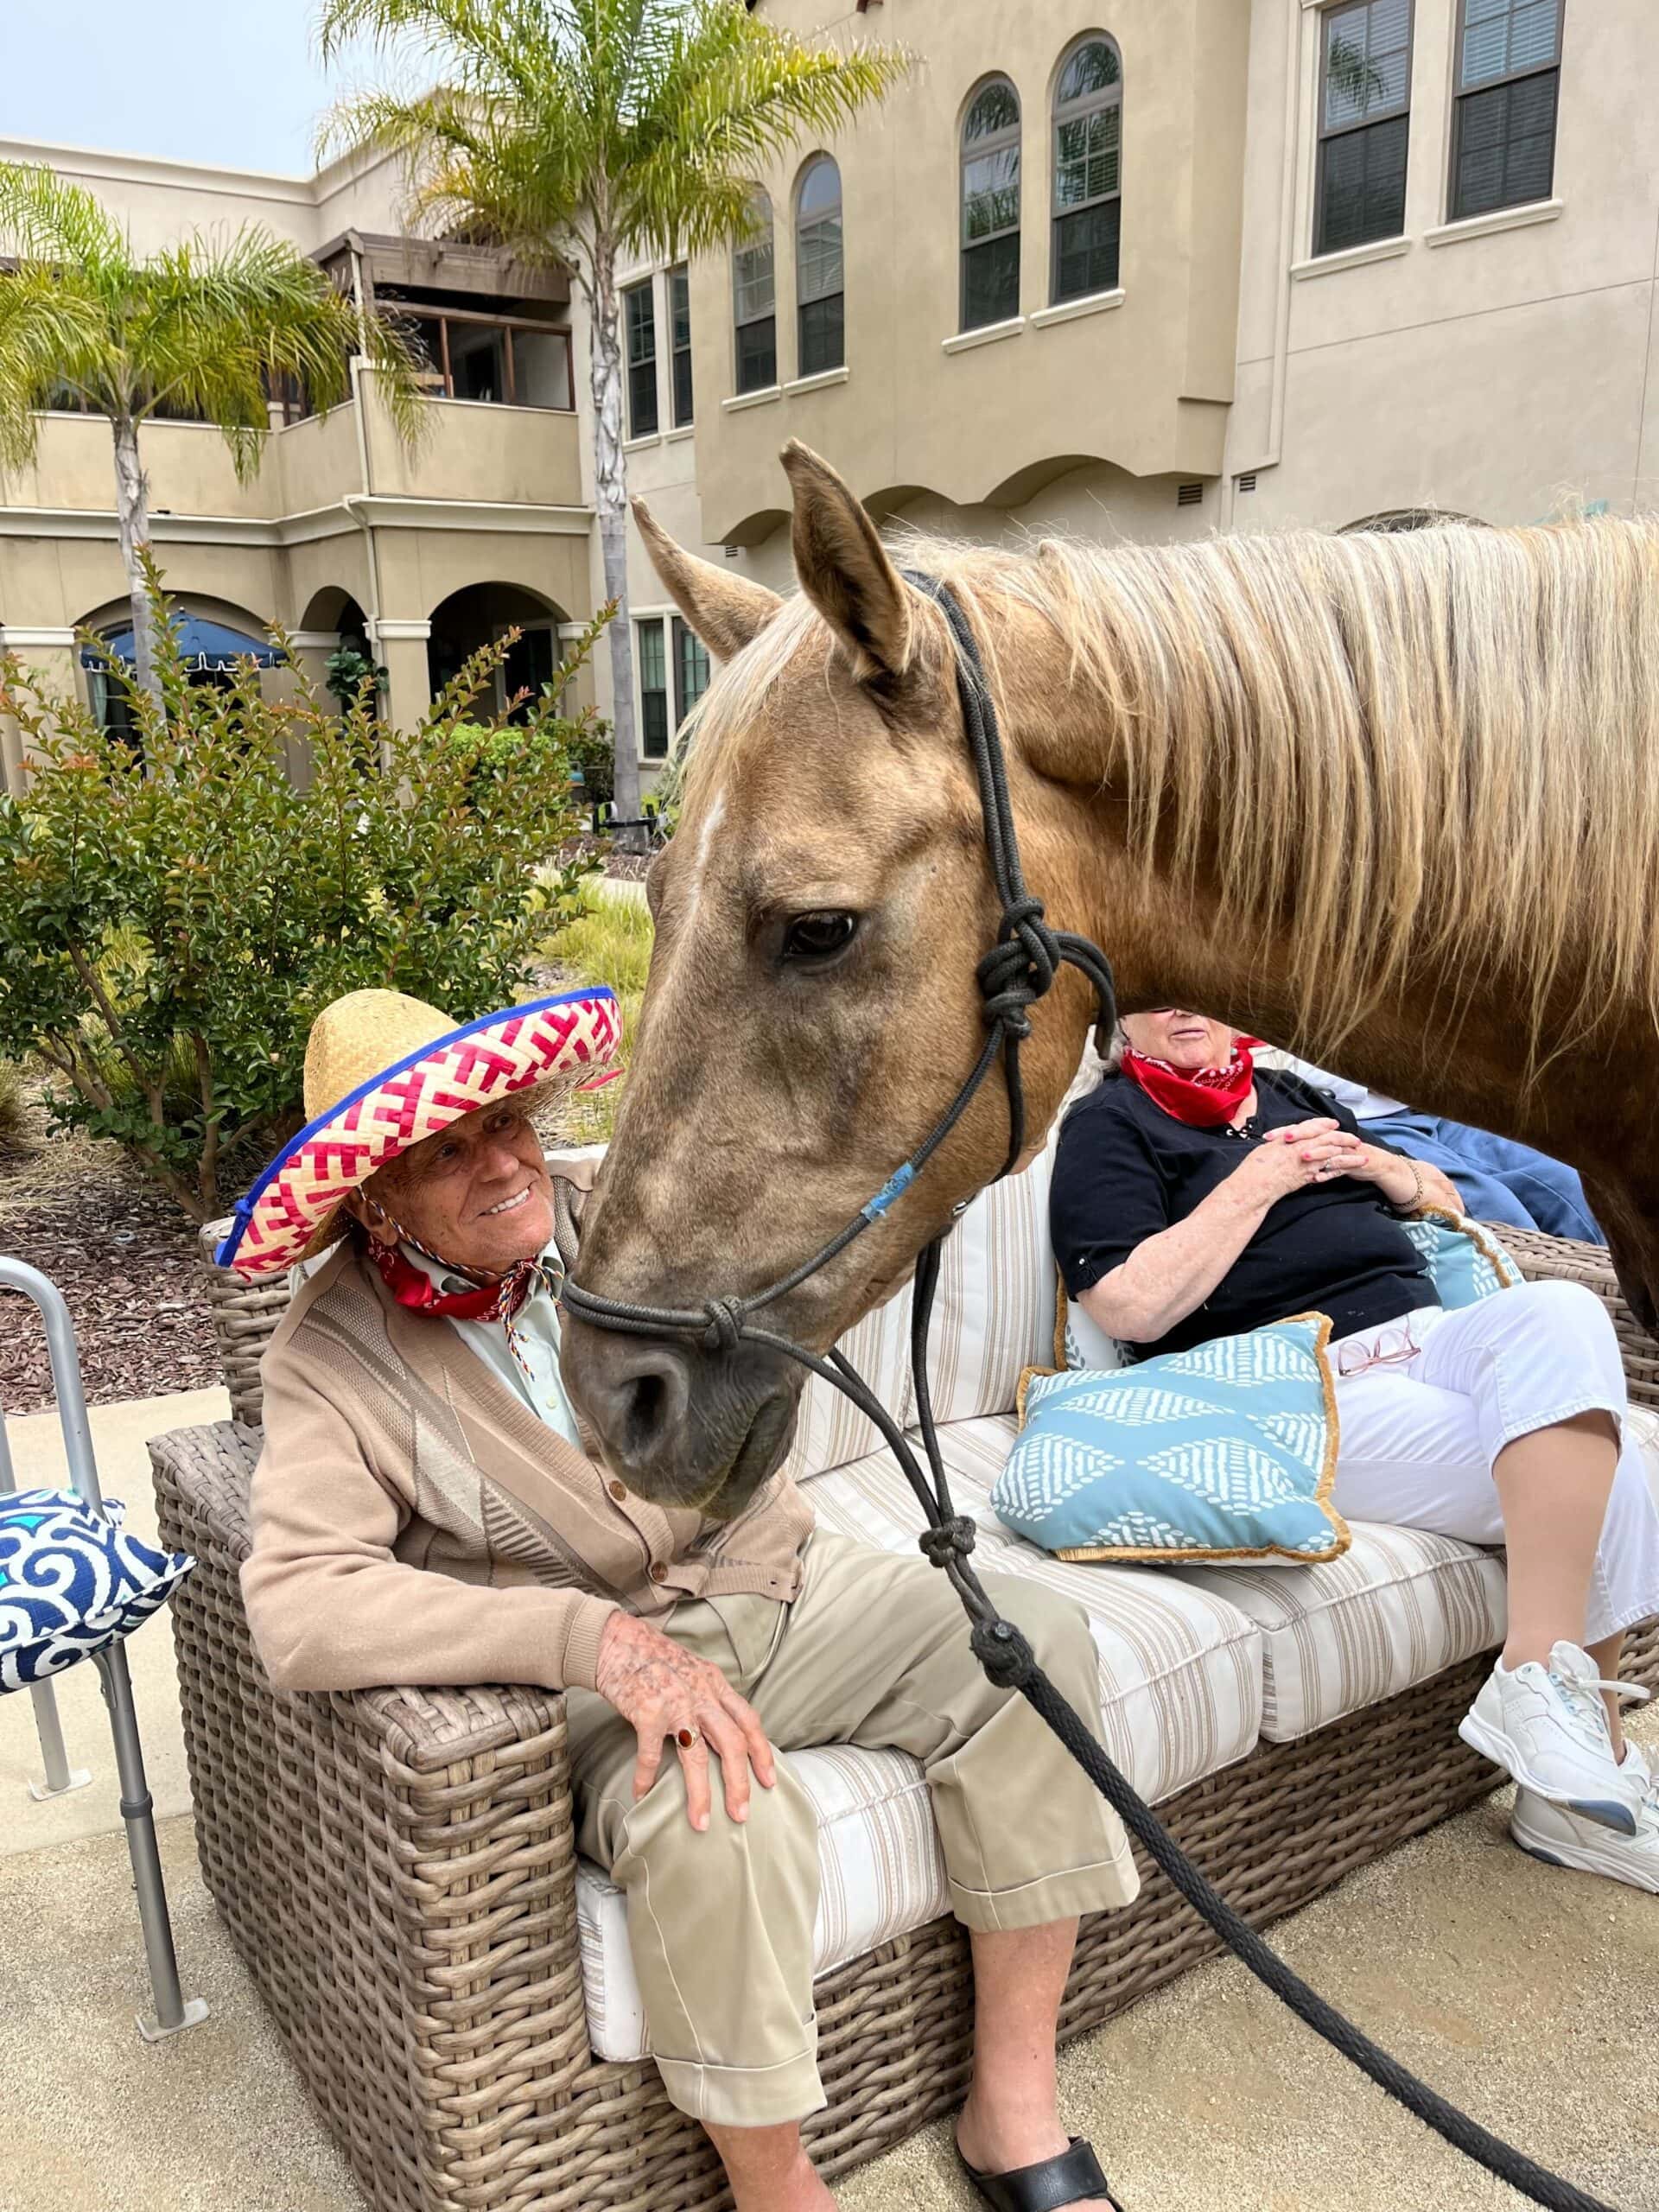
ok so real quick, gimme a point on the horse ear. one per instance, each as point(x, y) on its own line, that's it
point(725, 610)
point(844, 568)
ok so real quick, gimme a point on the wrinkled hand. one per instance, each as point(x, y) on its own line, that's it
point(1401, 1178)
point(1289, 1159)
point(661, 1690)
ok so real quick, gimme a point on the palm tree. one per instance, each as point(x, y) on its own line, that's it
point(583, 131)
point(204, 328)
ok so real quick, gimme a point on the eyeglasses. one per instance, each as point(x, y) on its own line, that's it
point(1389, 1347)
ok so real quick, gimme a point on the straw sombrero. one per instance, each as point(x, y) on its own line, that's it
point(381, 1072)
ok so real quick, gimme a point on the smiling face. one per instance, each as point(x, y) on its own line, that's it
point(1186, 1041)
point(477, 1193)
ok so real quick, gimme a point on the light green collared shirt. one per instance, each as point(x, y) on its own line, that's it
point(535, 1330)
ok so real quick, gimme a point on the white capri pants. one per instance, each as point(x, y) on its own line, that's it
point(1419, 1437)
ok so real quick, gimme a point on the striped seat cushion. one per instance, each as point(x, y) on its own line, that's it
point(1399, 1606)
point(1180, 1683)
point(879, 1863)
point(1180, 1668)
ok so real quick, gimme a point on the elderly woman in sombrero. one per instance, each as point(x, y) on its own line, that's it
point(425, 1513)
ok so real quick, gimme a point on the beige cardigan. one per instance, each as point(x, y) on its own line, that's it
point(415, 1522)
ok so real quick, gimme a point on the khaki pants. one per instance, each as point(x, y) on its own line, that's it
point(873, 1651)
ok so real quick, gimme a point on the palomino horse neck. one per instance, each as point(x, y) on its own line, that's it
point(1361, 798)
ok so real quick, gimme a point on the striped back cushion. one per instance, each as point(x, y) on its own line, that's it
point(830, 1430)
point(994, 1316)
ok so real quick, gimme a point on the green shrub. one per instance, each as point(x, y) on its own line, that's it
point(178, 911)
point(344, 673)
point(594, 755)
point(607, 942)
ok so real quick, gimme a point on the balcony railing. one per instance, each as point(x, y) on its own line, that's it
point(493, 359)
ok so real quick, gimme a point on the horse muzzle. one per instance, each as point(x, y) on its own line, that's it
point(681, 1424)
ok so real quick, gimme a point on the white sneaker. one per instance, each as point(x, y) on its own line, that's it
point(1560, 1838)
point(1546, 1724)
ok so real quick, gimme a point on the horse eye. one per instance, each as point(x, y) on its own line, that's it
point(815, 937)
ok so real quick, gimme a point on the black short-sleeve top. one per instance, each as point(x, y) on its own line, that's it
point(1125, 1169)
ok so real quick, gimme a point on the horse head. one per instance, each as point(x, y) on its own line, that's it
point(811, 1009)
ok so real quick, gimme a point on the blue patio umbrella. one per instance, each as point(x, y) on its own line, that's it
point(205, 648)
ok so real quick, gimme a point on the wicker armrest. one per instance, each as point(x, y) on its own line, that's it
point(397, 1866)
point(1543, 1259)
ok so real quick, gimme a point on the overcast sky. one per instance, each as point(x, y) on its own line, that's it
point(233, 83)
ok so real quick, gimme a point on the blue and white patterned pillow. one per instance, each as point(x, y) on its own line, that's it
point(1466, 1262)
point(1226, 1451)
point(71, 1582)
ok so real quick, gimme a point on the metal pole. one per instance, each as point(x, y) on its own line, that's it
point(173, 2010)
point(60, 1777)
point(66, 1376)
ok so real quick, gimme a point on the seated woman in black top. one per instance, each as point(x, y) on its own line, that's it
point(1195, 1198)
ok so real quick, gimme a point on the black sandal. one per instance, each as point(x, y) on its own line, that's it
point(1072, 2178)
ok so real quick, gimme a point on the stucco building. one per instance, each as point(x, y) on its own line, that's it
point(1172, 267)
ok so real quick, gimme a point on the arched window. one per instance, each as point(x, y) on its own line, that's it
point(754, 301)
point(990, 205)
point(1088, 129)
point(819, 285)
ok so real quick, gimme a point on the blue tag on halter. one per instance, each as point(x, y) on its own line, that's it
point(889, 1190)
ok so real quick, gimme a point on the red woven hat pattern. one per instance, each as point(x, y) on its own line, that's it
point(474, 1066)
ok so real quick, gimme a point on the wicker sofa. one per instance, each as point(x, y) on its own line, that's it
point(398, 1870)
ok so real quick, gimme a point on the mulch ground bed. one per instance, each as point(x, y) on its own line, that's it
point(125, 1260)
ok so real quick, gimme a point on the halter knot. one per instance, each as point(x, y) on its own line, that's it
point(952, 1539)
point(1018, 968)
point(1007, 1659)
point(725, 1329)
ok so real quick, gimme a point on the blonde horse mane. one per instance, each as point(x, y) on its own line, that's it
point(1442, 745)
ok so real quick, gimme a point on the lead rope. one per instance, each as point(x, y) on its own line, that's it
point(1019, 968)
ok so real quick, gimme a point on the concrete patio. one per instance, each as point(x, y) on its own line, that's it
point(1531, 1998)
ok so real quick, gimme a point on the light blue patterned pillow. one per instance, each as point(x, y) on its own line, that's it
point(71, 1582)
point(1466, 1262)
point(1226, 1451)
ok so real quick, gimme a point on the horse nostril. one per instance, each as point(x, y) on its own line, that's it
point(642, 1417)
point(649, 1401)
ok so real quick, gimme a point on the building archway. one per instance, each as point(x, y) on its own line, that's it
point(334, 612)
point(214, 635)
point(477, 615)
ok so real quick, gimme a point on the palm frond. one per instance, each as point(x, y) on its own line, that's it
point(645, 120)
point(737, 95)
point(477, 165)
point(44, 218)
point(51, 337)
point(204, 327)
point(214, 320)
point(487, 37)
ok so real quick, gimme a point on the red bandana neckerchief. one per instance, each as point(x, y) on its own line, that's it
point(489, 1301)
point(1204, 1098)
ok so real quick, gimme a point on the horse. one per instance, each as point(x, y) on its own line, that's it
point(1389, 799)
